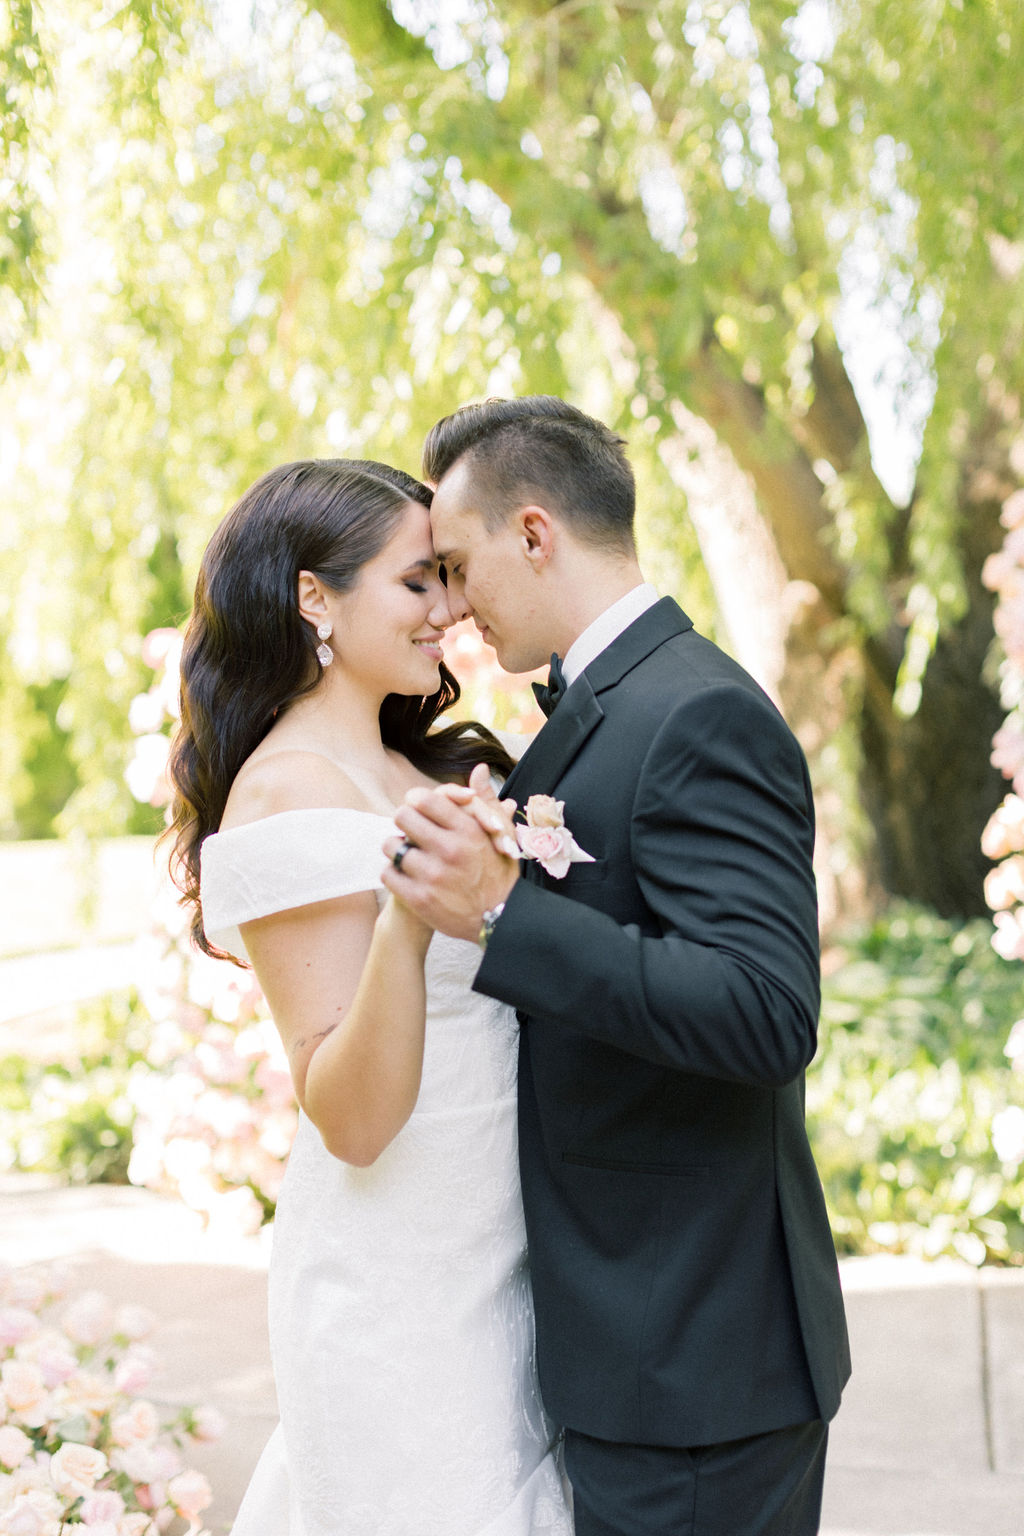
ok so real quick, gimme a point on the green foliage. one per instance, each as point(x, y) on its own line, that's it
point(299, 228)
point(74, 1119)
point(23, 80)
point(911, 1074)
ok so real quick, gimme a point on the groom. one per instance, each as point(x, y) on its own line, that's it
point(690, 1328)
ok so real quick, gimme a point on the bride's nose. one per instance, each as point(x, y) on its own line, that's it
point(440, 614)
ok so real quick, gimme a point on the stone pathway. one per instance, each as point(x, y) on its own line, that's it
point(929, 1441)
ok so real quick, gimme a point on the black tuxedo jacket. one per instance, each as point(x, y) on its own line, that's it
point(684, 1275)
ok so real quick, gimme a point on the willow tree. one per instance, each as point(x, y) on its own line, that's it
point(315, 227)
point(711, 172)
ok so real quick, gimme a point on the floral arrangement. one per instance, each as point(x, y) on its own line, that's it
point(214, 1105)
point(80, 1446)
point(215, 1110)
point(1003, 838)
point(546, 838)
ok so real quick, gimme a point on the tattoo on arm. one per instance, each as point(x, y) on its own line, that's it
point(321, 1034)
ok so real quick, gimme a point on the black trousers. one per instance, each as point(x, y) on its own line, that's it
point(767, 1485)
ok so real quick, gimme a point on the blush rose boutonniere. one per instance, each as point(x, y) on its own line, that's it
point(546, 838)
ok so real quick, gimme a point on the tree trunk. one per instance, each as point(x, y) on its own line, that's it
point(927, 783)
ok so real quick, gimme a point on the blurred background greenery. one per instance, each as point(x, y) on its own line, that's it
point(776, 243)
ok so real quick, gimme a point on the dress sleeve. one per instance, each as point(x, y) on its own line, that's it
point(289, 860)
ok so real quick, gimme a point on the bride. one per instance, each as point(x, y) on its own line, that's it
point(400, 1310)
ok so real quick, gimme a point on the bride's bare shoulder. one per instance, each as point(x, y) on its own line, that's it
point(289, 779)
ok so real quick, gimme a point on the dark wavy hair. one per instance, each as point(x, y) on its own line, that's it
point(249, 653)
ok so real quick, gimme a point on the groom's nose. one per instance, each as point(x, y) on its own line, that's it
point(460, 609)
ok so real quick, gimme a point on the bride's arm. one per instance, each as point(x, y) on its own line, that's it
point(345, 987)
point(344, 983)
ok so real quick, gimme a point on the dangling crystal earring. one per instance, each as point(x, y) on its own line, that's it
point(324, 654)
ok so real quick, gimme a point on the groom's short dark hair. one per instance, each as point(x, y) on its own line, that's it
point(539, 448)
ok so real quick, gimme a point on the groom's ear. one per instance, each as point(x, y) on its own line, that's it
point(536, 528)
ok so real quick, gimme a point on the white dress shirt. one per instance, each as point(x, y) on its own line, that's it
point(608, 626)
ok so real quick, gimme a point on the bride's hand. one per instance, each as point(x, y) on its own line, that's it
point(495, 816)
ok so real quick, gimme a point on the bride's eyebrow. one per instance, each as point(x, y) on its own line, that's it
point(428, 563)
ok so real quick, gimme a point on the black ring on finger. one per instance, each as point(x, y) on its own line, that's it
point(400, 852)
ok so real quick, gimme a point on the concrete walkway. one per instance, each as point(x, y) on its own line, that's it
point(929, 1441)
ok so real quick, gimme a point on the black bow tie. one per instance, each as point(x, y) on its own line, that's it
point(549, 694)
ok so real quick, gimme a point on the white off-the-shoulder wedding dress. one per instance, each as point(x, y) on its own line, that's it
point(401, 1318)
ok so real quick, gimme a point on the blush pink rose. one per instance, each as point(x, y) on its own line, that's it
point(136, 1525)
point(545, 811)
point(1005, 831)
point(548, 845)
point(54, 1359)
point(75, 1469)
point(102, 1507)
point(24, 1389)
point(147, 1463)
point(88, 1392)
point(31, 1288)
point(134, 1322)
point(208, 1424)
point(554, 848)
point(16, 1325)
point(134, 1371)
point(138, 1425)
point(89, 1319)
point(31, 1514)
point(190, 1493)
point(15, 1445)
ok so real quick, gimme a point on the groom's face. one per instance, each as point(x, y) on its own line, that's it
point(490, 579)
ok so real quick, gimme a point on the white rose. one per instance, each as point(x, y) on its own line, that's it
point(75, 1469)
point(32, 1514)
point(15, 1445)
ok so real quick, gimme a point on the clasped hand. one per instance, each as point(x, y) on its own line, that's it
point(462, 858)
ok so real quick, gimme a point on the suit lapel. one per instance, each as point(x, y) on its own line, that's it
point(580, 712)
point(658, 624)
point(553, 749)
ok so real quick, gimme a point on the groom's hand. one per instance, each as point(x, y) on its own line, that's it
point(462, 860)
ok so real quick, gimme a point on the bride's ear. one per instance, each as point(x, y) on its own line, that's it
point(311, 598)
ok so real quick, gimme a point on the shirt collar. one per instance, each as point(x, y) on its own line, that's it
point(607, 627)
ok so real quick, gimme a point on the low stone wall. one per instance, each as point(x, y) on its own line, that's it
point(61, 893)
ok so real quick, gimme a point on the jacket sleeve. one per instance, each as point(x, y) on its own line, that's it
point(722, 977)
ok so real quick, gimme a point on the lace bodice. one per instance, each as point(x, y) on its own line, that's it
point(400, 1309)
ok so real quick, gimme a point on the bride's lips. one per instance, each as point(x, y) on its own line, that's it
point(431, 646)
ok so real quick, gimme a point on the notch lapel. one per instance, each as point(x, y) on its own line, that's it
point(556, 744)
point(579, 712)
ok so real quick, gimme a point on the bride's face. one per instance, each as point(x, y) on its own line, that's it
point(388, 628)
